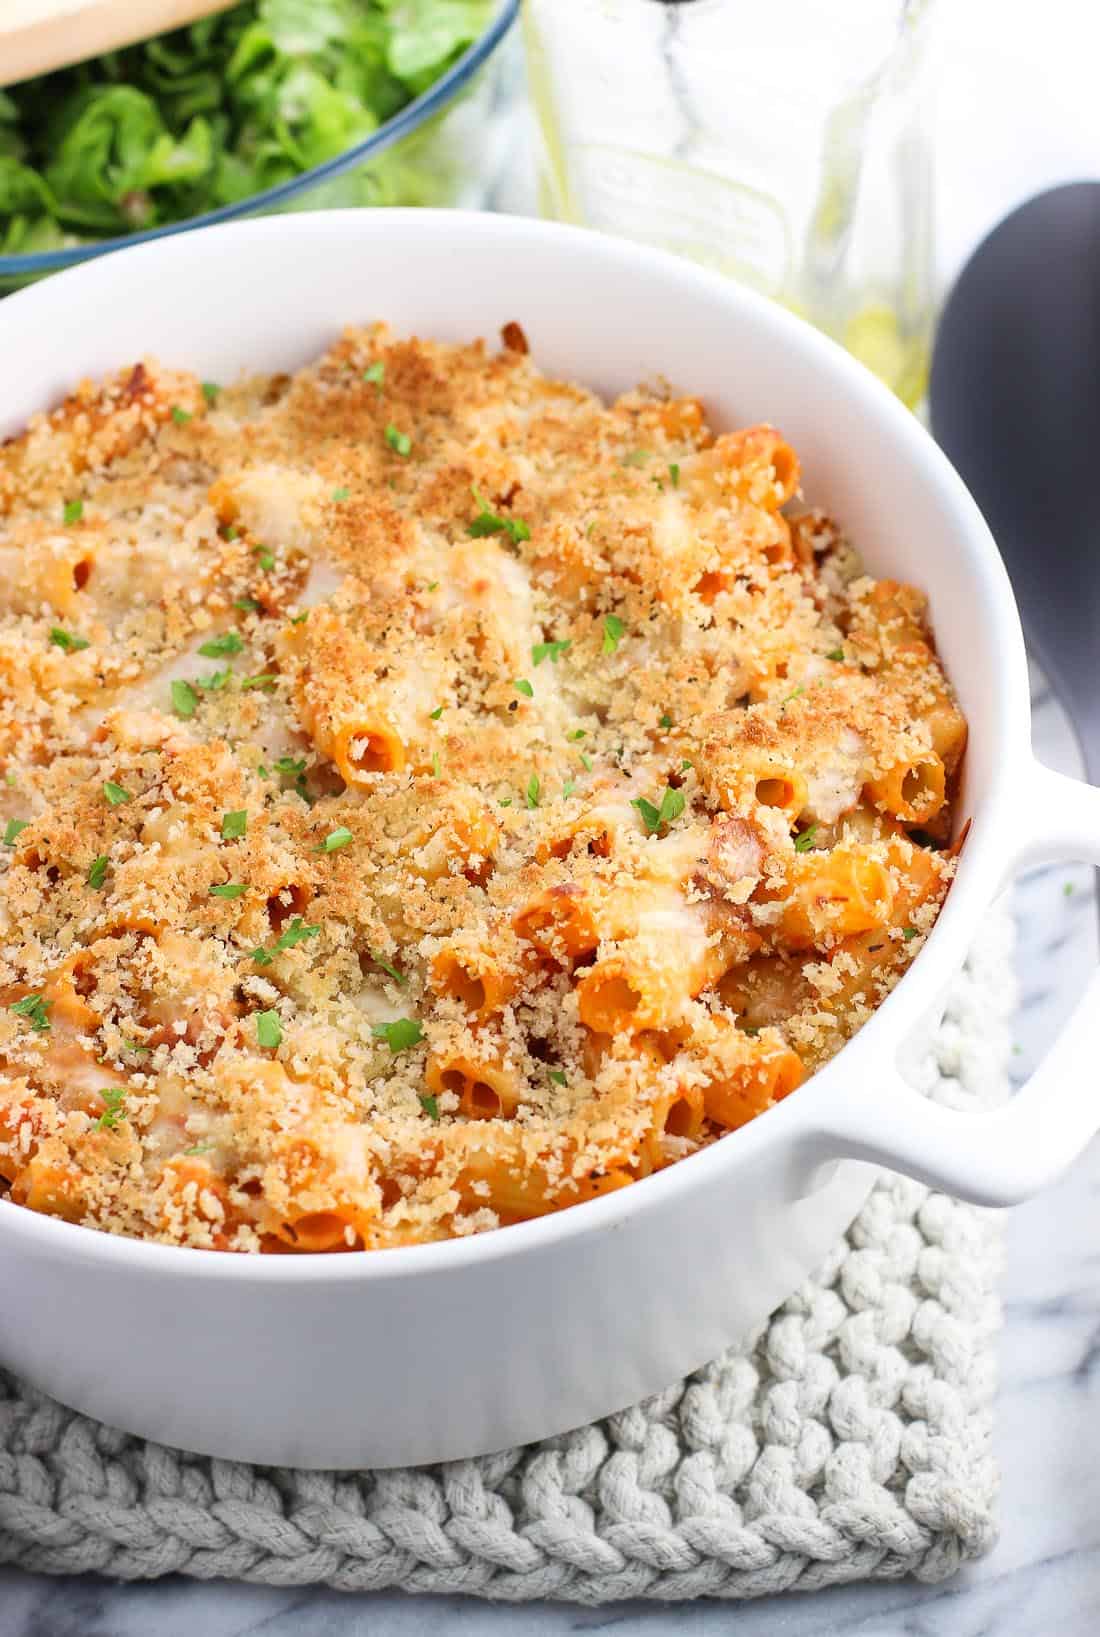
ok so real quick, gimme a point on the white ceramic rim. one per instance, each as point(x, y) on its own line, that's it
point(983, 865)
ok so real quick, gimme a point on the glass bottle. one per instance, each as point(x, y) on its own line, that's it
point(784, 142)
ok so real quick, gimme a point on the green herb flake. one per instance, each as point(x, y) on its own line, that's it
point(568, 788)
point(558, 1076)
point(909, 933)
point(550, 650)
point(210, 390)
point(665, 722)
point(341, 493)
point(180, 416)
point(836, 654)
point(430, 1105)
point(300, 619)
point(35, 1009)
point(436, 714)
point(230, 642)
point(586, 761)
point(216, 680)
point(398, 977)
point(66, 641)
point(490, 522)
point(799, 690)
point(505, 801)
point(433, 585)
point(654, 818)
point(129, 1045)
point(750, 1029)
point(375, 374)
point(805, 841)
point(247, 605)
point(576, 734)
point(435, 764)
point(184, 698)
point(232, 531)
point(399, 442)
point(265, 680)
point(115, 795)
point(296, 933)
point(636, 457)
point(399, 1035)
point(289, 766)
point(73, 511)
point(685, 764)
point(114, 1099)
point(269, 1029)
point(198, 1148)
point(15, 828)
point(228, 889)
point(264, 558)
point(97, 871)
point(522, 686)
point(674, 474)
point(261, 956)
point(234, 825)
point(531, 794)
point(335, 840)
point(613, 632)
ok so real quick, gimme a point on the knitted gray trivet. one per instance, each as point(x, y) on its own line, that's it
point(849, 1439)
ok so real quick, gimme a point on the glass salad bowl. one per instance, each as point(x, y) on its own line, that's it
point(441, 148)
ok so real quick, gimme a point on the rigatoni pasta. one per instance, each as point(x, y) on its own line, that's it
point(432, 797)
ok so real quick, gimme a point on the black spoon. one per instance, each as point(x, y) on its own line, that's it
point(1015, 398)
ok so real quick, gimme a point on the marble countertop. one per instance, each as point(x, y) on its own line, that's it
point(1044, 1576)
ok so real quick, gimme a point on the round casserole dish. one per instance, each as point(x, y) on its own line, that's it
point(446, 1350)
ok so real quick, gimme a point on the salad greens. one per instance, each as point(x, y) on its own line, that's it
point(215, 112)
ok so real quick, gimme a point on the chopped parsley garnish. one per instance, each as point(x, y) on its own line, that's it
point(264, 680)
point(433, 585)
point(216, 680)
point(436, 714)
point(805, 841)
point(66, 641)
point(550, 650)
point(435, 763)
point(231, 531)
point(795, 694)
point(576, 733)
point(399, 1035)
point(230, 642)
point(247, 605)
point(129, 1045)
point(399, 442)
point(750, 1028)
point(115, 794)
point(228, 889)
point(636, 457)
point(210, 390)
point(557, 1075)
point(835, 653)
point(488, 522)
point(97, 871)
point(289, 766)
point(674, 474)
point(180, 416)
point(672, 805)
point(586, 761)
point(269, 1029)
point(14, 829)
point(34, 1008)
point(568, 788)
point(522, 686)
point(531, 794)
point(613, 632)
point(908, 932)
point(74, 511)
point(184, 698)
point(398, 977)
point(264, 558)
point(505, 801)
point(335, 840)
point(665, 722)
point(234, 825)
point(685, 764)
point(114, 1098)
point(198, 1148)
point(300, 619)
point(296, 933)
point(430, 1105)
point(375, 374)
point(341, 493)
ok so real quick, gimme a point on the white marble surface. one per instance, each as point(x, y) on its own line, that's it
point(1020, 113)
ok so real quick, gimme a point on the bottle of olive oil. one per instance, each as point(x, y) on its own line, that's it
point(783, 142)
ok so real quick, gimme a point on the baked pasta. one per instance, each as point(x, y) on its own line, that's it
point(432, 797)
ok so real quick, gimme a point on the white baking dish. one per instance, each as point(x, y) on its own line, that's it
point(447, 1350)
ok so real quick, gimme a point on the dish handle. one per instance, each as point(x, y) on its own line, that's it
point(1003, 1155)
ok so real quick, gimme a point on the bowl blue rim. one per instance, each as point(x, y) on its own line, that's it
point(414, 114)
